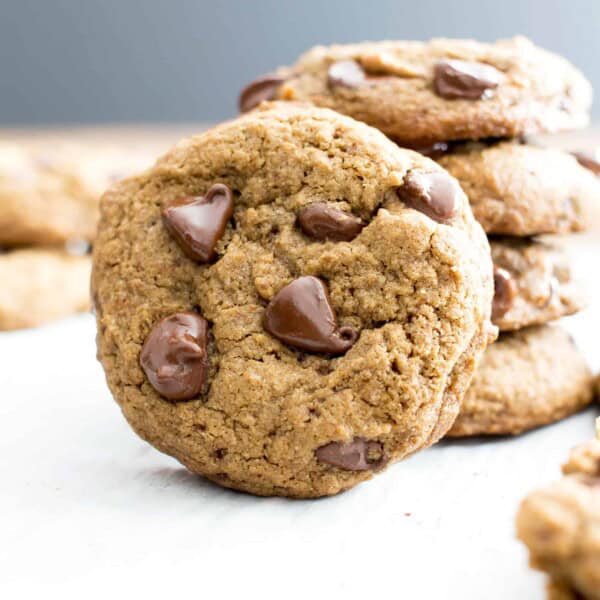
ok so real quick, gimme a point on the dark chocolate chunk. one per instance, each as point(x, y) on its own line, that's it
point(357, 455)
point(301, 316)
point(505, 292)
point(260, 90)
point(198, 223)
point(457, 79)
point(174, 356)
point(324, 222)
point(434, 194)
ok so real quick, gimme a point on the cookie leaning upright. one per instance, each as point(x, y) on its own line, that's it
point(289, 301)
point(423, 92)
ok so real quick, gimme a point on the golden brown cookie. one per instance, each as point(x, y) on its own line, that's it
point(560, 526)
point(423, 92)
point(527, 378)
point(522, 190)
point(289, 302)
point(49, 193)
point(534, 283)
point(40, 285)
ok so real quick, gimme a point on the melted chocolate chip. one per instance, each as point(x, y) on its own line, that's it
point(300, 315)
point(357, 455)
point(198, 223)
point(455, 79)
point(260, 90)
point(588, 162)
point(505, 292)
point(324, 222)
point(174, 356)
point(434, 194)
point(346, 73)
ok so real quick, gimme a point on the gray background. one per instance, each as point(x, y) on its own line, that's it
point(93, 61)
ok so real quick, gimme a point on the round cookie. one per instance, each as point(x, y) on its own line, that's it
point(40, 285)
point(49, 193)
point(526, 379)
point(522, 190)
point(533, 284)
point(289, 302)
point(419, 93)
point(560, 524)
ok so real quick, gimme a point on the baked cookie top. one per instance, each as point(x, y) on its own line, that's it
point(521, 190)
point(49, 193)
point(559, 525)
point(526, 379)
point(446, 89)
point(289, 301)
point(533, 282)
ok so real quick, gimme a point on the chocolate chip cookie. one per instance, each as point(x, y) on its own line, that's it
point(49, 193)
point(520, 189)
point(289, 302)
point(560, 525)
point(424, 92)
point(40, 285)
point(533, 283)
point(528, 378)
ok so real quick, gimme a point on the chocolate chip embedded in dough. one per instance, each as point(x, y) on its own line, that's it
point(300, 315)
point(505, 292)
point(260, 90)
point(175, 357)
point(198, 223)
point(324, 222)
point(346, 73)
point(357, 455)
point(457, 79)
point(434, 194)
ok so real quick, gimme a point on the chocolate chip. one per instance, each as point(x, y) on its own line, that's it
point(198, 223)
point(260, 90)
point(434, 194)
point(357, 455)
point(324, 222)
point(466, 80)
point(346, 73)
point(505, 292)
point(588, 162)
point(300, 315)
point(174, 356)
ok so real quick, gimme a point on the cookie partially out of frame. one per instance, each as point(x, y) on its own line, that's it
point(560, 523)
point(41, 285)
point(522, 190)
point(289, 302)
point(49, 193)
point(446, 89)
point(526, 379)
point(534, 283)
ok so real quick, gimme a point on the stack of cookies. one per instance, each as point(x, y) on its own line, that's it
point(469, 106)
point(49, 197)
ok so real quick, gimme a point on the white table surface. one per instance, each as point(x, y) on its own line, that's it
point(88, 510)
